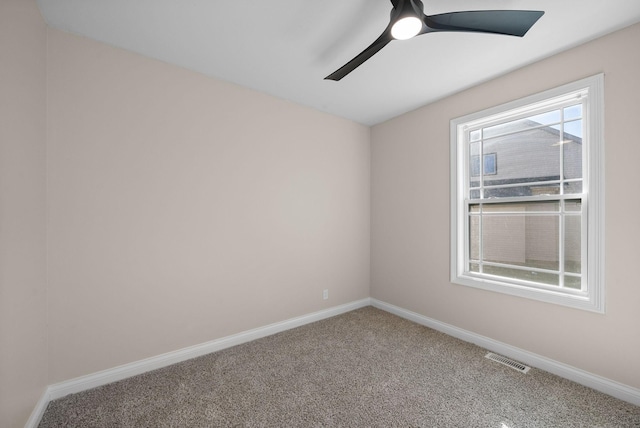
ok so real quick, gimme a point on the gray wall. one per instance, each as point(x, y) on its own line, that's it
point(411, 218)
point(183, 209)
point(23, 304)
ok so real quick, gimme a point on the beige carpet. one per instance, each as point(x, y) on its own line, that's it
point(366, 368)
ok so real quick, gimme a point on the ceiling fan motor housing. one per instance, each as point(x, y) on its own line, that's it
point(407, 8)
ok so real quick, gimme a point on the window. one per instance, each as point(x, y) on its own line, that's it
point(534, 227)
point(490, 166)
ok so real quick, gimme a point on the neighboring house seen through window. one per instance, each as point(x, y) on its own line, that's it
point(490, 164)
point(534, 226)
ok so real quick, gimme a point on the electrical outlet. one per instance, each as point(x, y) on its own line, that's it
point(325, 294)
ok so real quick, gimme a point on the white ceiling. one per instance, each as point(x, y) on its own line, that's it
point(286, 47)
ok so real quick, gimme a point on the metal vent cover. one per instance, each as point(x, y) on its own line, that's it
point(508, 362)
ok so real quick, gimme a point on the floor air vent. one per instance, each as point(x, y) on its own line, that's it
point(508, 362)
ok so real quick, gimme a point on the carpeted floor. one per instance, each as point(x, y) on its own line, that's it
point(366, 368)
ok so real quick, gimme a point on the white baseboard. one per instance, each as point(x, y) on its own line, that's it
point(104, 377)
point(83, 383)
point(38, 411)
point(599, 383)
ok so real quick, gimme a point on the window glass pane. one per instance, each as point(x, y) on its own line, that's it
point(573, 205)
point(474, 149)
point(573, 131)
point(474, 135)
point(474, 164)
point(490, 164)
point(572, 152)
point(525, 240)
point(521, 207)
point(474, 194)
point(542, 242)
point(539, 277)
point(572, 243)
point(573, 187)
point(548, 118)
point(504, 239)
point(574, 282)
point(528, 156)
point(553, 206)
point(474, 237)
point(513, 191)
point(573, 112)
point(474, 267)
point(551, 189)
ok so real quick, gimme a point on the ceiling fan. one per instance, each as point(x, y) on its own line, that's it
point(408, 20)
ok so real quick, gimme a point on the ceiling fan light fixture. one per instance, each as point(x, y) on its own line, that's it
point(406, 28)
point(407, 19)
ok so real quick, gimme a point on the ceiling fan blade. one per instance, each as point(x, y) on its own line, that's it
point(373, 48)
point(507, 22)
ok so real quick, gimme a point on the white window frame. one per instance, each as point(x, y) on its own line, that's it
point(592, 296)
